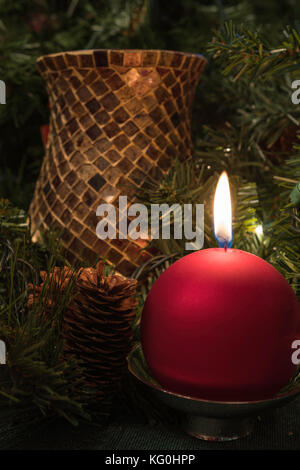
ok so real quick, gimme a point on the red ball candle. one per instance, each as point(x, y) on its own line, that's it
point(219, 325)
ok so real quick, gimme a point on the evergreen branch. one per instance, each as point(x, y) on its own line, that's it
point(35, 377)
point(243, 51)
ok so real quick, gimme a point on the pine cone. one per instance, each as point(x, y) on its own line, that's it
point(97, 327)
point(97, 324)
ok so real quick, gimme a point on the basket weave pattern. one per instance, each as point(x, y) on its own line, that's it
point(117, 120)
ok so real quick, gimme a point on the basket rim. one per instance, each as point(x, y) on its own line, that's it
point(143, 52)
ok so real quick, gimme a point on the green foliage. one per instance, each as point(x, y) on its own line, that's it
point(36, 382)
point(184, 184)
point(244, 51)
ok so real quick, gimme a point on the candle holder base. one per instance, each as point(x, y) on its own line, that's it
point(205, 419)
point(213, 429)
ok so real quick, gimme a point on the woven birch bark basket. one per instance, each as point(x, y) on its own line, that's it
point(118, 119)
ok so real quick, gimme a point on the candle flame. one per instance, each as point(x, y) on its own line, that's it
point(222, 212)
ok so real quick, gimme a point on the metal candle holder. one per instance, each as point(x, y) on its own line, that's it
point(205, 419)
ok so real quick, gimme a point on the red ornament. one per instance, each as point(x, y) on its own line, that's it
point(44, 133)
point(219, 325)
